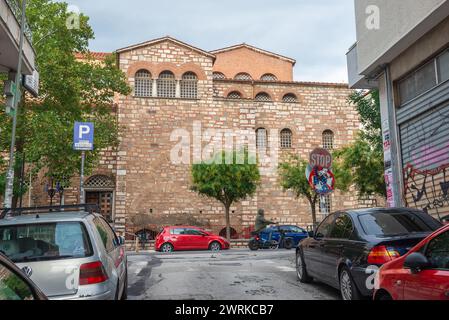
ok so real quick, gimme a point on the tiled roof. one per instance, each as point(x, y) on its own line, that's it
point(94, 55)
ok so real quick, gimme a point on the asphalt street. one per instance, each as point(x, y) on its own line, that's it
point(228, 275)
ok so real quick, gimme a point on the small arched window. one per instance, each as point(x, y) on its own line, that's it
point(218, 76)
point(166, 85)
point(189, 86)
point(328, 140)
point(263, 97)
point(243, 76)
point(234, 95)
point(261, 138)
point(290, 98)
point(286, 139)
point(268, 77)
point(143, 84)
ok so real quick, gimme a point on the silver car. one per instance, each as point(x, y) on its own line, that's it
point(69, 255)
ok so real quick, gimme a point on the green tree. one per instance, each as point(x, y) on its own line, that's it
point(292, 176)
point(362, 163)
point(227, 183)
point(70, 91)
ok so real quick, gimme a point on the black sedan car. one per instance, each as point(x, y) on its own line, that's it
point(349, 246)
point(15, 285)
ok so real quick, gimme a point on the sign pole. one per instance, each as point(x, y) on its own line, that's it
point(83, 158)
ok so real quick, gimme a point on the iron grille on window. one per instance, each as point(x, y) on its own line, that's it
point(189, 86)
point(290, 98)
point(326, 204)
point(261, 138)
point(143, 84)
point(218, 76)
point(268, 77)
point(99, 182)
point(243, 76)
point(166, 85)
point(286, 139)
point(328, 140)
point(234, 95)
point(263, 97)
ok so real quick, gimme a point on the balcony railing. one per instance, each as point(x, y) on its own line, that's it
point(16, 8)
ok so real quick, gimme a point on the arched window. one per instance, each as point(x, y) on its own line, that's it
point(290, 98)
point(218, 76)
point(99, 182)
point(261, 138)
point(268, 77)
point(143, 84)
point(166, 85)
point(234, 95)
point(243, 76)
point(234, 234)
point(189, 86)
point(286, 139)
point(328, 140)
point(263, 97)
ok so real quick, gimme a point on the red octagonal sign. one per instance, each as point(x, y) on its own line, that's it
point(321, 158)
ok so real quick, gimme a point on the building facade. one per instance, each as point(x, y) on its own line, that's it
point(403, 50)
point(184, 97)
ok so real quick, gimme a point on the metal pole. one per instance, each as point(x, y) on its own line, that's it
point(10, 175)
point(83, 157)
point(22, 177)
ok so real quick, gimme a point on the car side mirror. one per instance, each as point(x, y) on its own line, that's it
point(311, 234)
point(416, 262)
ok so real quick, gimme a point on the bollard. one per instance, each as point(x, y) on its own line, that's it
point(137, 244)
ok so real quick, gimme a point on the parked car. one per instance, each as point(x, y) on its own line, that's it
point(269, 238)
point(422, 274)
point(189, 238)
point(15, 285)
point(347, 243)
point(69, 254)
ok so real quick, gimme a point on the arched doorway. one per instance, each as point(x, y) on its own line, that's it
point(100, 190)
point(234, 234)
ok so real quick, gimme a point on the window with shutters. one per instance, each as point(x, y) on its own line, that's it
point(189, 86)
point(286, 139)
point(234, 95)
point(268, 77)
point(143, 84)
point(328, 140)
point(243, 76)
point(218, 76)
point(166, 85)
point(261, 138)
point(263, 97)
point(290, 98)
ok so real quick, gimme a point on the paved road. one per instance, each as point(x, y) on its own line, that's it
point(228, 275)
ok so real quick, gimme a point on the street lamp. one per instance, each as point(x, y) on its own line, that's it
point(52, 190)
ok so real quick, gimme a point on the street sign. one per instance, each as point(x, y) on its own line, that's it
point(31, 83)
point(321, 158)
point(83, 136)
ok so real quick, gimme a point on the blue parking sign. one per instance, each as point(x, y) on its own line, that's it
point(83, 136)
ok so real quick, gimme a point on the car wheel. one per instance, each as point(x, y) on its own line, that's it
point(384, 296)
point(253, 245)
point(301, 270)
point(167, 247)
point(215, 246)
point(288, 244)
point(348, 288)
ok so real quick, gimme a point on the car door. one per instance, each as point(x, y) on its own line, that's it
point(313, 250)
point(335, 246)
point(14, 286)
point(197, 240)
point(179, 238)
point(432, 283)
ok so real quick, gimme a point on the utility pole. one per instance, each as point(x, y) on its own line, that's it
point(9, 190)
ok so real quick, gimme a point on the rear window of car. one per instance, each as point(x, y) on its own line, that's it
point(384, 224)
point(46, 241)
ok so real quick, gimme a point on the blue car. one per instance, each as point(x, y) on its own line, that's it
point(297, 234)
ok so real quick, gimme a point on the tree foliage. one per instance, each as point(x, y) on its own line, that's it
point(227, 183)
point(362, 163)
point(292, 176)
point(70, 90)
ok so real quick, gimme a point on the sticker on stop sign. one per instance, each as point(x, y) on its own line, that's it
point(321, 158)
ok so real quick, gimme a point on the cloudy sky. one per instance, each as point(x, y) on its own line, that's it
point(317, 33)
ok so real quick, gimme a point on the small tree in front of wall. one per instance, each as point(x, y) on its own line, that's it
point(292, 175)
point(227, 183)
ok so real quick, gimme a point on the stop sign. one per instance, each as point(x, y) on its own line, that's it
point(321, 158)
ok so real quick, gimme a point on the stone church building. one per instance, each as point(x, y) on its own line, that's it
point(180, 88)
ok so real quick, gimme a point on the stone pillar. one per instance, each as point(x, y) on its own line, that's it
point(178, 89)
point(154, 90)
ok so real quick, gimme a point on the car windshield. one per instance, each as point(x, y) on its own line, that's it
point(42, 242)
point(384, 224)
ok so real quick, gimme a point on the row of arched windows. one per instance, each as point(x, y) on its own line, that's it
point(286, 138)
point(243, 76)
point(165, 86)
point(265, 97)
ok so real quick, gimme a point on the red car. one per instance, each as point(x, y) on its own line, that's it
point(422, 274)
point(189, 238)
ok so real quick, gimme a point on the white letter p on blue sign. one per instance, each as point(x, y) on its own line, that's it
point(83, 136)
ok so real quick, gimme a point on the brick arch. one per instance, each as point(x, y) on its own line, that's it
point(132, 69)
point(228, 91)
point(157, 68)
point(269, 92)
point(287, 91)
point(191, 67)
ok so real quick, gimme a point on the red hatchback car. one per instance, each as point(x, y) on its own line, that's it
point(189, 238)
point(422, 274)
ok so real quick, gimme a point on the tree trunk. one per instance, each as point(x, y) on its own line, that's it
point(228, 222)
point(313, 207)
